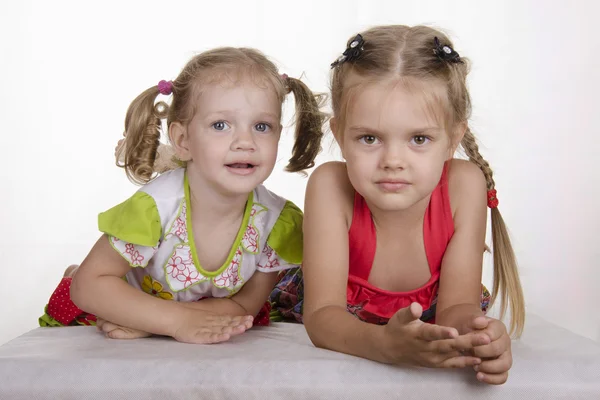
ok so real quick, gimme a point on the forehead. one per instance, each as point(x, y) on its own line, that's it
point(237, 87)
point(396, 104)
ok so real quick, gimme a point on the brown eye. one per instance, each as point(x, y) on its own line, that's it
point(420, 140)
point(369, 139)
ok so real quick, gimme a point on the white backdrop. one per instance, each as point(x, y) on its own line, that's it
point(68, 70)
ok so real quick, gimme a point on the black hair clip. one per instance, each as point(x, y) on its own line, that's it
point(353, 51)
point(445, 52)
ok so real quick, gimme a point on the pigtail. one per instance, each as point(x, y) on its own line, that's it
point(506, 276)
point(309, 126)
point(139, 151)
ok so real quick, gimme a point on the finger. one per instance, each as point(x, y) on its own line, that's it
point(408, 314)
point(459, 362)
point(493, 349)
point(109, 326)
point(210, 338)
point(495, 329)
point(205, 338)
point(496, 366)
point(432, 332)
point(461, 343)
point(479, 323)
point(99, 323)
point(126, 333)
point(228, 320)
point(492, 379)
point(227, 329)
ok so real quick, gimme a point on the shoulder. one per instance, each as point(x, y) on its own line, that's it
point(168, 185)
point(466, 186)
point(330, 191)
point(267, 198)
point(332, 172)
point(331, 177)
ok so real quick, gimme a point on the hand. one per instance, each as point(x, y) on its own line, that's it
point(202, 327)
point(115, 331)
point(496, 356)
point(409, 340)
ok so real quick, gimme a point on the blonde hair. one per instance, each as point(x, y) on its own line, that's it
point(398, 51)
point(140, 150)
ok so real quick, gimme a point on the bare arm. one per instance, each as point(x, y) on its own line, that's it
point(248, 301)
point(98, 288)
point(405, 339)
point(325, 268)
point(459, 293)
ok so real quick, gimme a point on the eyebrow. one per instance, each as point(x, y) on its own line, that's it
point(417, 131)
point(260, 115)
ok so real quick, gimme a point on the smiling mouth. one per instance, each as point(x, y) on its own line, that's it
point(240, 165)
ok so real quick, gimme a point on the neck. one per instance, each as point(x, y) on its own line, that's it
point(211, 206)
point(401, 220)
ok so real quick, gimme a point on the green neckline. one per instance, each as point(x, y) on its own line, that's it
point(190, 232)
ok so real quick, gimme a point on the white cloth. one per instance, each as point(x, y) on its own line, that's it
point(170, 268)
point(277, 362)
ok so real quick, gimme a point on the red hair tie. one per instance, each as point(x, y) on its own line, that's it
point(492, 199)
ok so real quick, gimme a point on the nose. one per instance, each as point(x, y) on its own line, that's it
point(393, 157)
point(243, 140)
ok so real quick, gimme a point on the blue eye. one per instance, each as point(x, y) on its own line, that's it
point(220, 126)
point(262, 127)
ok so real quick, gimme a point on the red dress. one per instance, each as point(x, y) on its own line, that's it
point(375, 305)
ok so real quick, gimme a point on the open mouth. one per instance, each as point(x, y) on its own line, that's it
point(240, 165)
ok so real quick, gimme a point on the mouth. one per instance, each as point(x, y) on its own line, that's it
point(392, 185)
point(241, 168)
point(240, 165)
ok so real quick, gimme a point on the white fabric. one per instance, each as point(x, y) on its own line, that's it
point(169, 269)
point(277, 362)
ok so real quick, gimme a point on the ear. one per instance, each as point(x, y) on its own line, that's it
point(178, 136)
point(334, 126)
point(337, 134)
point(457, 137)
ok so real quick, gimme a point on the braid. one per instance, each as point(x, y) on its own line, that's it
point(472, 149)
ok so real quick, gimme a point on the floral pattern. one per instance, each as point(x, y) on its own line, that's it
point(272, 261)
point(155, 288)
point(179, 226)
point(180, 271)
point(179, 278)
point(137, 256)
point(251, 238)
point(231, 277)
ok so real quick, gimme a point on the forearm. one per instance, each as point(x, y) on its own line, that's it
point(112, 299)
point(335, 329)
point(459, 316)
point(222, 306)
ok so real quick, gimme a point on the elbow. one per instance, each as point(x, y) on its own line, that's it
point(78, 291)
point(311, 326)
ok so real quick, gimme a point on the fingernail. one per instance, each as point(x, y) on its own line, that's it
point(480, 376)
point(476, 368)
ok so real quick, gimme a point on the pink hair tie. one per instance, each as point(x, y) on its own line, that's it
point(284, 77)
point(165, 87)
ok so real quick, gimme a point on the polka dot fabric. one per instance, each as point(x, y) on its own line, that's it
point(60, 306)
